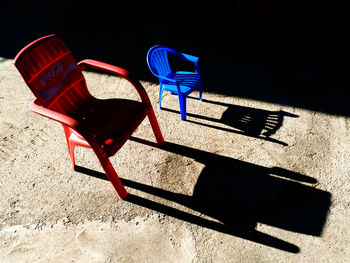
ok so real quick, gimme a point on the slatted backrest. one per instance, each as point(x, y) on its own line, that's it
point(52, 74)
point(158, 62)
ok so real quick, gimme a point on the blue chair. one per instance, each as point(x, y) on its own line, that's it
point(181, 82)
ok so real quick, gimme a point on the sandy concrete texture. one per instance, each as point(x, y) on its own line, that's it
point(239, 181)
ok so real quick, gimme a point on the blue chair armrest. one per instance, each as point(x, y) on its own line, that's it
point(184, 56)
point(190, 58)
point(168, 79)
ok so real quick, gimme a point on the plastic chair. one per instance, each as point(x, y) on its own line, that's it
point(181, 82)
point(59, 86)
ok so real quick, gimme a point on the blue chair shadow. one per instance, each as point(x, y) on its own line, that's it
point(247, 121)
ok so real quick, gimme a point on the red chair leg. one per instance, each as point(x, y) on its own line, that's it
point(71, 153)
point(70, 144)
point(112, 176)
point(72, 141)
point(155, 126)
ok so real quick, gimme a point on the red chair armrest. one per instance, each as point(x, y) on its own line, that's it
point(64, 119)
point(94, 64)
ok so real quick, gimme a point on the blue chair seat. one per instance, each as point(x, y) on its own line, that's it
point(181, 82)
point(188, 81)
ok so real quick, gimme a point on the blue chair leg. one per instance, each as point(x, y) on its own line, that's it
point(182, 100)
point(160, 95)
point(200, 90)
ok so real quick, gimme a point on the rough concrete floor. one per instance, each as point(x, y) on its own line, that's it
point(240, 181)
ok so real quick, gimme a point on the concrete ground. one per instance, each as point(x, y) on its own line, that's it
point(241, 180)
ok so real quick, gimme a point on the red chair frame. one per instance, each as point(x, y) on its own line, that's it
point(33, 62)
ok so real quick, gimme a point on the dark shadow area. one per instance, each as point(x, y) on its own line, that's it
point(291, 52)
point(246, 121)
point(239, 195)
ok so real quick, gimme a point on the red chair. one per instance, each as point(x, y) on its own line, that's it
point(59, 86)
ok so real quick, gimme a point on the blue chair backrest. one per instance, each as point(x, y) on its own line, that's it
point(157, 60)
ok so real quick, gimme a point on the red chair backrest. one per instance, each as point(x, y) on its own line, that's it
point(50, 71)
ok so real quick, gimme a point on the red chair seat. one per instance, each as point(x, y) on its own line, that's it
point(110, 121)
